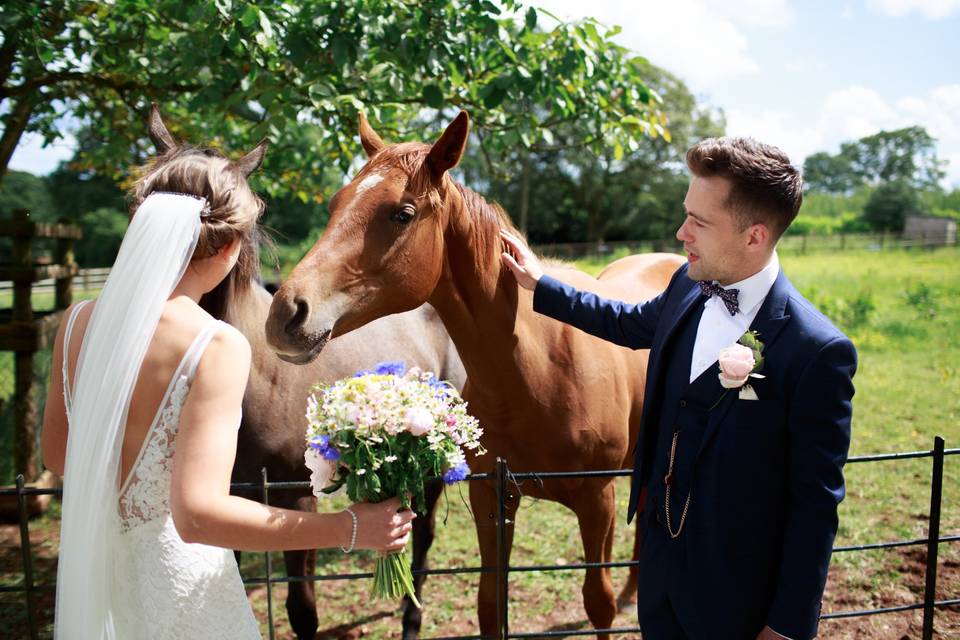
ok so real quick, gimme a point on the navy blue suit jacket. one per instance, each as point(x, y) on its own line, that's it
point(769, 473)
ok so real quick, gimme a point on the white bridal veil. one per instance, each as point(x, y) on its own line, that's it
point(155, 252)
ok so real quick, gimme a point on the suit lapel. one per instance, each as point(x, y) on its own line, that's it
point(769, 322)
point(674, 319)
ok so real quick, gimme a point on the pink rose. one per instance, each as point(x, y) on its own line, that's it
point(736, 364)
point(418, 421)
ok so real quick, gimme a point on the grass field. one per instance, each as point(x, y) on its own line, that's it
point(902, 310)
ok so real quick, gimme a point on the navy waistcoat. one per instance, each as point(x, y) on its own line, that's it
point(685, 408)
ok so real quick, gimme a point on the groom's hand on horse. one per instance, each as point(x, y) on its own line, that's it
point(520, 260)
point(382, 526)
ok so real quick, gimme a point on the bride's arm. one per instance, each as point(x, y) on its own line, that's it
point(53, 437)
point(203, 509)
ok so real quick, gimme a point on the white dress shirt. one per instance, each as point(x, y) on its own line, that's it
point(718, 329)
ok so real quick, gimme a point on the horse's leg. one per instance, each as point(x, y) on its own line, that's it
point(595, 513)
point(483, 502)
point(424, 528)
point(627, 600)
point(301, 602)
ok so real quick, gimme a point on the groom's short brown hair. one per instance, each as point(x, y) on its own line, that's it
point(766, 188)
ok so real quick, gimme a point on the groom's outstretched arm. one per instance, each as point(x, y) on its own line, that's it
point(629, 325)
point(819, 439)
point(626, 324)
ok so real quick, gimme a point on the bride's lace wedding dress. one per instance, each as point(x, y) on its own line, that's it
point(165, 587)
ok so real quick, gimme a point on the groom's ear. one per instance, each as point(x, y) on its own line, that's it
point(759, 236)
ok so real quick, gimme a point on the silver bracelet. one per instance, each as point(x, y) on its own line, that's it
point(353, 533)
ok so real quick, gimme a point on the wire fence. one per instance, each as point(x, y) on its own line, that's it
point(788, 244)
point(504, 479)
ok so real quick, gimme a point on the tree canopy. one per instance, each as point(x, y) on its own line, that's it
point(906, 155)
point(235, 71)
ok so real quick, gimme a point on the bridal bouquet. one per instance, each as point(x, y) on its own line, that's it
point(379, 434)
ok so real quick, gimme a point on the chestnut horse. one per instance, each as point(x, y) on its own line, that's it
point(548, 396)
point(271, 435)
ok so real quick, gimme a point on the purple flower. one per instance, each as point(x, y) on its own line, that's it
point(456, 474)
point(390, 368)
point(362, 372)
point(331, 453)
point(319, 443)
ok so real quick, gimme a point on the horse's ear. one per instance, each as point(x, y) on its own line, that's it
point(447, 151)
point(368, 137)
point(161, 137)
point(252, 161)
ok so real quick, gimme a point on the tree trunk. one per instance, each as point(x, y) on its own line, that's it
point(16, 123)
point(524, 194)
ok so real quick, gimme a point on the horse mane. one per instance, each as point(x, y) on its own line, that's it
point(409, 157)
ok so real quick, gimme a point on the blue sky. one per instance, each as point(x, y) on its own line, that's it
point(803, 75)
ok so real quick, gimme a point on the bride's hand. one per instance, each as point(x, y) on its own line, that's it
point(381, 526)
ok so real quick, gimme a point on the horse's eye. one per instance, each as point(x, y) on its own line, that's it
point(404, 214)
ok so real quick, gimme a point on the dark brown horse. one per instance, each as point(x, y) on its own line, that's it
point(274, 406)
point(548, 396)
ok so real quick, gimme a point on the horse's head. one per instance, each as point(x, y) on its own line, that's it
point(233, 206)
point(383, 249)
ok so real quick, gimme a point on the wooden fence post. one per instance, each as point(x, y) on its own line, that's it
point(25, 402)
point(64, 257)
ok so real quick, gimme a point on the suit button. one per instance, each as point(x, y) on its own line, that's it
point(683, 403)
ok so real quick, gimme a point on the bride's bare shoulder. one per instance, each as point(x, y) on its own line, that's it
point(188, 318)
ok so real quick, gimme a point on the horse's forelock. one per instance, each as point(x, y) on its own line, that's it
point(409, 157)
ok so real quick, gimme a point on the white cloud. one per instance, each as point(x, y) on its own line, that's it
point(856, 112)
point(930, 9)
point(702, 41)
point(30, 154)
point(777, 128)
point(755, 13)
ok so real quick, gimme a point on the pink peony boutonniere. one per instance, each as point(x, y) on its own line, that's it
point(738, 363)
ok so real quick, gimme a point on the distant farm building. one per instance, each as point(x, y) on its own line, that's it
point(930, 230)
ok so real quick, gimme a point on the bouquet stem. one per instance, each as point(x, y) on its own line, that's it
point(392, 578)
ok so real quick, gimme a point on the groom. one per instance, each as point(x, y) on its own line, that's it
point(743, 483)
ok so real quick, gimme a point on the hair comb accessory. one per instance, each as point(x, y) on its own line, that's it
point(204, 212)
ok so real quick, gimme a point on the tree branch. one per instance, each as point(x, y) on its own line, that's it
point(34, 84)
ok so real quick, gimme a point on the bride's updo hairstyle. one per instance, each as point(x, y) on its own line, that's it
point(232, 208)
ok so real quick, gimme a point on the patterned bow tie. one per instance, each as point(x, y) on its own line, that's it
point(730, 297)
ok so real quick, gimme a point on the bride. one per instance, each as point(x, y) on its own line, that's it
point(142, 416)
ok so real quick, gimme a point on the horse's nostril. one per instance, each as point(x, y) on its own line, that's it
point(299, 317)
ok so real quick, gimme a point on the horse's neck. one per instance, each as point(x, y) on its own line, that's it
point(480, 302)
point(247, 311)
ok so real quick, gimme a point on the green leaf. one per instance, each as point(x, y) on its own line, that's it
point(433, 96)
point(250, 16)
point(340, 48)
point(377, 70)
point(531, 19)
point(507, 50)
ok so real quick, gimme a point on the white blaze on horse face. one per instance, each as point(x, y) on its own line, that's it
point(368, 183)
point(365, 185)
